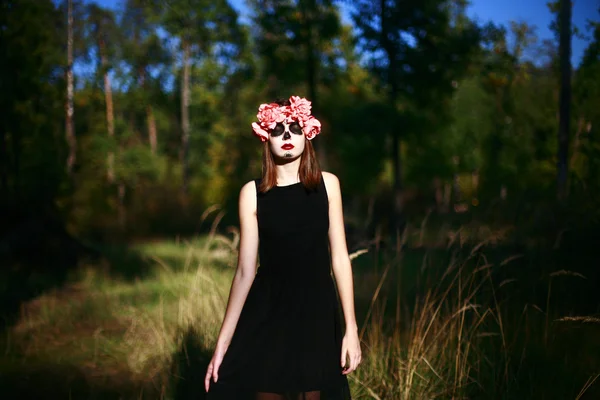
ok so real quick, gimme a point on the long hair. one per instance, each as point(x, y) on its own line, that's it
point(309, 170)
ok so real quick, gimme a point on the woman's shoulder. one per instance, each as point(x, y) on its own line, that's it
point(332, 183)
point(247, 199)
point(330, 179)
point(249, 188)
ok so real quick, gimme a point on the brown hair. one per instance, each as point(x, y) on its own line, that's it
point(309, 170)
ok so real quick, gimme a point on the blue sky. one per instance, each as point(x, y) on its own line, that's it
point(534, 12)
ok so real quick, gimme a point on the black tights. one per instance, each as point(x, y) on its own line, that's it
point(315, 395)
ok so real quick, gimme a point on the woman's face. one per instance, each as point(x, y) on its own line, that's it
point(287, 140)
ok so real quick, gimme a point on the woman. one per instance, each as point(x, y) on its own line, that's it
point(281, 335)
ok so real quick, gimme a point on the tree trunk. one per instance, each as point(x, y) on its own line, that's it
point(121, 207)
point(439, 195)
point(397, 212)
point(447, 197)
point(398, 201)
point(576, 143)
point(152, 135)
point(3, 164)
point(16, 145)
point(185, 119)
point(70, 129)
point(109, 110)
point(565, 97)
point(475, 186)
point(311, 46)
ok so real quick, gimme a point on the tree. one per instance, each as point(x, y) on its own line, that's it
point(73, 14)
point(103, 32)
point(565, 97)
point(424, 49)
point(320, 23)
point(507, 78)
point(200, 27)
point(70, 130)
point(292, 37)
point(32, 127)
point(585, 156)
point(143, 51)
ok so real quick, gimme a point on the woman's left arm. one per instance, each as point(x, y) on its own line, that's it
point(342, 270)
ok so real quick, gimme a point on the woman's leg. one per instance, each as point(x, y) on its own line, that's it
point(269, 396)
point(315, 395)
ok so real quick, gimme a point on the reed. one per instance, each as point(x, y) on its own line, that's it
point(428, 330)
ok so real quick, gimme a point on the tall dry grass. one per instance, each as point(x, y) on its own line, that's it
point(452, 337)
point(115, 330)
point(441, 332)
point(427, 351)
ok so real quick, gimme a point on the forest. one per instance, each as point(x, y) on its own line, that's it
point(468, 154)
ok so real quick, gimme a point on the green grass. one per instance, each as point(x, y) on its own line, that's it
point(438, 320)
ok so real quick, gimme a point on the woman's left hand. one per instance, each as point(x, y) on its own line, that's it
point(350, 349)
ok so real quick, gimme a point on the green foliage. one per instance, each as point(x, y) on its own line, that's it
point(31, 135)
point(470, 106)
point(102, 34)
point(201, 23)
point(585, 157)
point(284, 37)
point(357, 133)
point(462, 98)
point(467, 102)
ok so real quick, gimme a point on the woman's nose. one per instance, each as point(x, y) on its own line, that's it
point(286, 134)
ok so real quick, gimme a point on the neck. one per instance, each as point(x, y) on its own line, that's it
point(288, 173)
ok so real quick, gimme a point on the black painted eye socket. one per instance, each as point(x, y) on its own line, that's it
point(294, 128)
point(278, 130)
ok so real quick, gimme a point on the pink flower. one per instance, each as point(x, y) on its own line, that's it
point(269, 115)
point(287, 112)
point(312, 127)
point(261, 133)
point(300, 108)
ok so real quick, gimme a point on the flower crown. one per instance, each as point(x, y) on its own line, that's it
point(271, 114)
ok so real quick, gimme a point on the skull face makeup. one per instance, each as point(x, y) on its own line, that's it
point(272, 115)
point(287, 140)
point(294, 127)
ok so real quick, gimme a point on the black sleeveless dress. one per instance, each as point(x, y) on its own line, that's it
point(288, 340)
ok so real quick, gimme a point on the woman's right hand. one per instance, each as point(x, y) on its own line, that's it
point(213, 366)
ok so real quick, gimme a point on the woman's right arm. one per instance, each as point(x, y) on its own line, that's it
point(246, 266)
point(242, 280)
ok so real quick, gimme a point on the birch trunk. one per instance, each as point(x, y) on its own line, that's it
point(70, 111)
point(152, 135)
point(185, 119)
point(110, 119)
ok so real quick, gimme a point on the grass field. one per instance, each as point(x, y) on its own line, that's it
point(442, 315)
